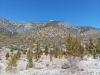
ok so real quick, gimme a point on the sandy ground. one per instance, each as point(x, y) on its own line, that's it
point(89, 66)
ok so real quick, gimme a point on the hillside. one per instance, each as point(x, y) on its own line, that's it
point(50, 32)
point(46, 48)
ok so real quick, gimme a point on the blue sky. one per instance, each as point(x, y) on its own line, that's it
point(76, 12)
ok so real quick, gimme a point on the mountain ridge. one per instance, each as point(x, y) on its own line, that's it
point(20, 27)
point(57, 26)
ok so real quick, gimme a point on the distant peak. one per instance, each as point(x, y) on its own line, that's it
point(51, 20)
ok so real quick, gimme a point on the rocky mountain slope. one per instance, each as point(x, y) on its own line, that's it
point(21, 27)
point(50, 30)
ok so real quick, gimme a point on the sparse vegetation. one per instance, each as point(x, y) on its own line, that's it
point(53, 40)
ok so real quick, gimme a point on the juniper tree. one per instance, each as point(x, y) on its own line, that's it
point(7, 55)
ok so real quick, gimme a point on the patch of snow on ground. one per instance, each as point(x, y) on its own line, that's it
point(90, 66)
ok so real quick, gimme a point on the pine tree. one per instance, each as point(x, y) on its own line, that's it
point(37, 50)
point(87, 50)
point(40, 52)
point(18, 53)
point(81, 50)
point(29, 57)
point(72, 45)
point(12, 62)
point(69, 44)
point(46, 50)
point(51, 52)
point(86, 53)
point(60, 53)
point(87, 47)
point(98, 46)
point(30, 63)
point(56, 52)
point(29, 54)
point(77, 46)
point(91, 46)
point(51, 55)
point(11, 48)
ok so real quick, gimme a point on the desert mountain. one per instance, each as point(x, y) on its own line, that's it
point(21, 27)
point(50, 31)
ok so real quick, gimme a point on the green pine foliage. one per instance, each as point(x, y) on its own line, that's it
point(76, 46)
point(38, 51)
point(30, 63)
point(51, 53)
point(81, 51)
point(29, 54)
point(60, 53)
point(69, 44)
point(98, 46)
point(91, 46)
point(29, 57)
point(56, 52)
point(11, 48)
point(72, 45)
point(18, 54)
point(86, 53)
point(46, 50)
point(87, 50)
point(12, 62)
